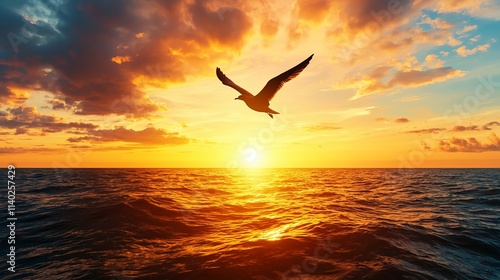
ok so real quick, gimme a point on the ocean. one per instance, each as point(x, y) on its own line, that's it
point(254, 224)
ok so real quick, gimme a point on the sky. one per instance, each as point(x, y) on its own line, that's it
point(402, 84)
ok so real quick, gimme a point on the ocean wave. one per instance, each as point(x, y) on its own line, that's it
point(269, 224)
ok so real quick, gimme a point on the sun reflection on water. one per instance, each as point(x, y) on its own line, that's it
point(274, 234)
point(265, 223)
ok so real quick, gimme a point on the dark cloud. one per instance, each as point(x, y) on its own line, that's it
point(361, 14)
point(24, 118)
point(459, 128)
point(223, 26)
point(358, 14)
point(401, 120)
point(456, 128)
point(470, 145)
point(9, 97)
point(426, 131)
point(74, 53)
point(80, 146)
point(149, 136)
point(60, 104)
point(490, 124)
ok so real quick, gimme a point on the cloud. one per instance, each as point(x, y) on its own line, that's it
point(22, 150)
point(149, 136)
point(97, 54)
point(24, 118)
point(437, 23)
point(470, 145)
point(369, 34)
point(413, 98)
point(414, 78)
point(488, 125)
point(426, 131)
point(460, 128)
point(269, 27)
point(432, 61)
point(456, 128)
point(12, 96)
point(475, 38)
point(467, 28)
point(410, 74)
point(464, 52)
point(452, 41)
point(401, 120)
point(477, 8)
point(340, 115)
point(60, 103)
point(321, 127)
point(354, 25)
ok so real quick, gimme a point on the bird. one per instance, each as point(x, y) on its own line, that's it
point(260, 102)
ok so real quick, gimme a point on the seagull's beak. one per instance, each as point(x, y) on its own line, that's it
point(236, 98)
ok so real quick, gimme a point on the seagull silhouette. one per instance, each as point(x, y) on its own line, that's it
point(260, 102)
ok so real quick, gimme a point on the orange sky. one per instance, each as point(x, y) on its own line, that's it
point(392, 84)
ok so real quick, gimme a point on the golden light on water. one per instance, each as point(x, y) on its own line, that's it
point(275, 233)
point(277, 223)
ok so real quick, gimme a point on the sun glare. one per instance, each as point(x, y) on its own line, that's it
point(252, 158)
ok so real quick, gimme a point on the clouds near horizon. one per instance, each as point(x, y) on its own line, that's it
point(149, 136)
point(470, 145)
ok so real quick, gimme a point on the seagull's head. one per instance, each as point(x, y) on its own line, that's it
point(239, 97)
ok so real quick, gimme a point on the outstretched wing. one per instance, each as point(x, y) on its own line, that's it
point(226, 81)
point(277, 82)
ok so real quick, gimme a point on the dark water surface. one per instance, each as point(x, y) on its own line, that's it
point(255, 224)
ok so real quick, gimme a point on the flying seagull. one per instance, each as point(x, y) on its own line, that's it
point(260, 102)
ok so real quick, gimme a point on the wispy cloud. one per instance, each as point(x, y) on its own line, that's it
point(340, 115)
point(467, 28)
point(22, 150)
point(413, 98)
point(459, 128)
point(490, 124)
point(426, 130)
point(150, 136)
point(321, 127)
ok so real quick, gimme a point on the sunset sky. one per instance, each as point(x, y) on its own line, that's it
point(132, 83)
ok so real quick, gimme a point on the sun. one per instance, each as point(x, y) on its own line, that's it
point(252, 157)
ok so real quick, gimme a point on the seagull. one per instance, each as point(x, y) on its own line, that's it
point(260, 102)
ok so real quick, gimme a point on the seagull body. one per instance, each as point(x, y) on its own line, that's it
point(260, 102)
